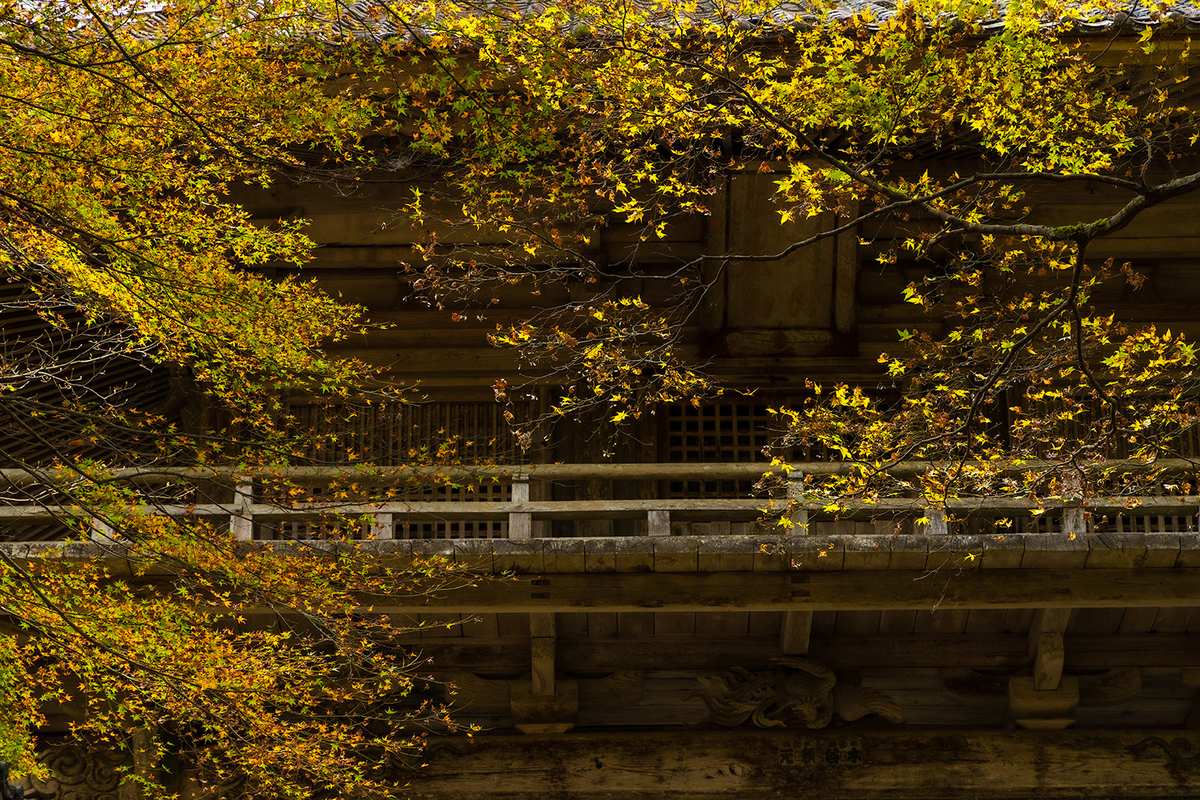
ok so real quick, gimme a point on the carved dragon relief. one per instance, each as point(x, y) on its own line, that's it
point(800, 690)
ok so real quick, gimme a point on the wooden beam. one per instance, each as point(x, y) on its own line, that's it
point(818, 591)
point(894, 651)
point(851, 762)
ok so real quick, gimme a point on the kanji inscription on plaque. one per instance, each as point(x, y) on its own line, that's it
point(822, 752)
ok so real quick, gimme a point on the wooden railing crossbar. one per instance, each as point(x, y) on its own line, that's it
point(367, 476)
point(382, 516)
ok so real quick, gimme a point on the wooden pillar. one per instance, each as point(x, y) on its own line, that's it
point(145, 767)
point(1072, 520)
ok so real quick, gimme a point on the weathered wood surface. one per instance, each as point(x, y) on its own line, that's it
point(832, 287)
point(852, 763)
point(391, 475)
point(893, 651)
point(932, 557)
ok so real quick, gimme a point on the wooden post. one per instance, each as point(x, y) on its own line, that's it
point(542, 642)
point(658, 523)
point(795, 632)
point(1191, 677)
point(241, 523)
point(1072, 519)
point(381, 527)
point(101, 531)
point(145, 765)
point(937, 525)
point(520, 523)
point(1046, 647)
point(795, 496)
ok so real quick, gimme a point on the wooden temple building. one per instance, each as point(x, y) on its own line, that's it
point(660, 642)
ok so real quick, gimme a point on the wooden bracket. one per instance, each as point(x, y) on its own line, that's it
point(1053, 709)
point(545, 713)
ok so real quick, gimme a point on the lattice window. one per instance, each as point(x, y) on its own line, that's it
point(718, 432)
point(488, 529)
point(402, 528)
point(399, 433)
point(392, 434)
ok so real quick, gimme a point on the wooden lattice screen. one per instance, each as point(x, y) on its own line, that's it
point(717, 432)
point(399, 433)
point(422, 432)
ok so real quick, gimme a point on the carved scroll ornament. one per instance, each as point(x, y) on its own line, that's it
point(78, 774)
point(1181, 751)
point(801, 690)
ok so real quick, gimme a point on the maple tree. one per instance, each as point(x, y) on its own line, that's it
point(127, 266)
point(125, 129)
point(550, 125)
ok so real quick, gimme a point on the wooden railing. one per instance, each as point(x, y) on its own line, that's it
point(247, 512)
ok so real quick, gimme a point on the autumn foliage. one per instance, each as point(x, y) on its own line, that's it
point(125, 129)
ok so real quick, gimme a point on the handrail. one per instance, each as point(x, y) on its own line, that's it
point(691, 509)
point(382, 475)
point(527, 515)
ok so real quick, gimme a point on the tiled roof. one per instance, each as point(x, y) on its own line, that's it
point(366, 19)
